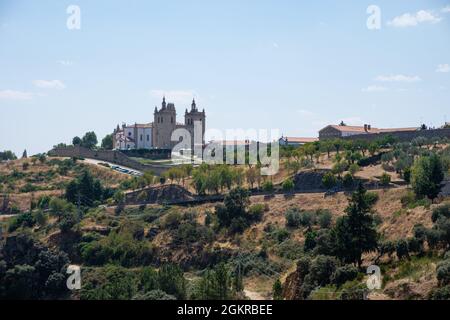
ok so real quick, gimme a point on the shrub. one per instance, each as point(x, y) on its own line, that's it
point(292, 217)
point(281, 235)
point(324, 218)
point(441, 211)
point(268, 186)
point(277, 290)
point(344, 274)
point(310, 241)
point(385, 179)
point(441, 293)
point(154, 295)
point(353, 168)
point(402, 249)
point(256, 211)
point(348, 181)
point(329, 180)
point(117, 248)
point(24, 220)
point(288, 185)
point(172, 220)
point(443, 272)
point(426, 176)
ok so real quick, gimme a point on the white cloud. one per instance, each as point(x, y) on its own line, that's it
point(275, 45)
point(66, 63)
point(444, 68)
point(179, 97)
point(374, 89)
point(446, 9)
point(411, 20)
point(15, 95)
point(49, 84)
point(398, 78)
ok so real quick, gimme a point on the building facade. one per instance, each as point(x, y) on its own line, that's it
point(158, 134)
point(342, 131)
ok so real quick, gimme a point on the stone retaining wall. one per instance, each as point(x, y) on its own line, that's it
point(112, 156)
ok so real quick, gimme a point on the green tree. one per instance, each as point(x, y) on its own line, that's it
point(107, 142)
point(355, 233)
point(7, 155)
point(89, 140)
point(277, 290)
point(385, 179)
point(76, 141)
point(329, 180)
point(59, 207)
point(426, 176)
point(288, 185)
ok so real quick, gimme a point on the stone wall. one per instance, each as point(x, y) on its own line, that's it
point(112, 156)
point(403, 135)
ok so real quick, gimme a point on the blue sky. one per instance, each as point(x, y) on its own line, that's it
point(290, 65)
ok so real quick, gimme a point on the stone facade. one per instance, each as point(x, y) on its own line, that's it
point(158, 134)
point(344, 131)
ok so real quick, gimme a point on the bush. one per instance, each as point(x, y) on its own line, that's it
point(441, 293)
point(443, 272)
point(353, 168)
point(288, 185)
point(402, 249)
point(310, 241)
point(441, 211)
point(256, 211)
point(172, 220)
point(385, 179)
point(426, 176)
point(344, 274)
point(154, 295)
point(268, 186)
point(24, 220)
point(348, 181)
point(117, 248)
point(329, 180)
point(324, 218)
point(292, 218)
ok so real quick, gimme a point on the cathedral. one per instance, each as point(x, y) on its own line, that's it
point(157, 134)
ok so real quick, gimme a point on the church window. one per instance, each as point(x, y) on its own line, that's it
point(140, 137)
point(148, 137)
point(171, 119)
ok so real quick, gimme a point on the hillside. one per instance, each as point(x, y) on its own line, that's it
point(274, 242)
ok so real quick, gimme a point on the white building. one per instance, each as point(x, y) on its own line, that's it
point(137, 136)
point(158, 134)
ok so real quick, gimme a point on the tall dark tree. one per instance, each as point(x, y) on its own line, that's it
point(107, 142)
point(426, 176)
point(76, 141)
point(355, 233)
point(89, 140)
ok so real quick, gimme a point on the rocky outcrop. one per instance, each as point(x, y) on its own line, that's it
point(162, 194)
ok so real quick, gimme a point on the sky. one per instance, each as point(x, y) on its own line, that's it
point(290, 65)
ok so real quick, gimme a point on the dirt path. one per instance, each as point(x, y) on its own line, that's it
point(252, 295)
